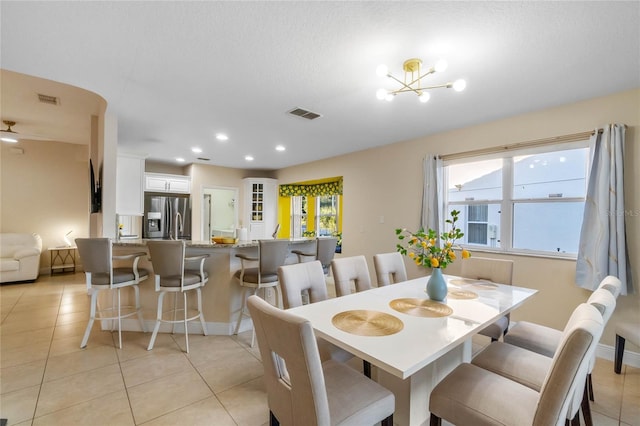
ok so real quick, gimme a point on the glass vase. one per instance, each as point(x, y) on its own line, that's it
point(437, 285)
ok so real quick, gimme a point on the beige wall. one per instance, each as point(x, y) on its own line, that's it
point(383, 189)
point(46, 191)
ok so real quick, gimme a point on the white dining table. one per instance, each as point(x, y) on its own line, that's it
point(413, 360)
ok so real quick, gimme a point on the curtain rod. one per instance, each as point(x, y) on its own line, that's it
point(574, 137)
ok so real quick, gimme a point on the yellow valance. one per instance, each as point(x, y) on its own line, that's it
point(314, 190)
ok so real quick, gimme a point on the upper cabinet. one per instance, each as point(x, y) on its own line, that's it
point(260, 209)
point(157, 182)
point(129, 183)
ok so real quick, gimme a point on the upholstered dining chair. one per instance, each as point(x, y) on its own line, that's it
point(389, 268)
point(529, 368)
point(303, 390)
point(271, 255)
point(325, 250)
point(350, 269)
point(175, 273)
point(471, 395)
point(308, 278)
point(101, 275)
point(494, 270)
point(545, 340)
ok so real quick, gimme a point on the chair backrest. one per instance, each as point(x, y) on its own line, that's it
point(272, 255)
point(347, 269)
point(569, 366)
point(326, 250)
point(296, 278)
point(167, 258)
point(293, 374)
point(96, 255)
point(482, 268)
point(612, 284)
point(389, 268)
point(604, 301)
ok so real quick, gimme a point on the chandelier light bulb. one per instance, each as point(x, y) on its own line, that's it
point(382, 70)
point(389, 97)
point(459, 85)
point(381, 94)
point(441, 65)
point(424, 97)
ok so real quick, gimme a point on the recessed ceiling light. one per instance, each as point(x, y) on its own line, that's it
point(196, 150)
point(248, 158)
point(180, 160)
point(222, 137)
point(280, 148)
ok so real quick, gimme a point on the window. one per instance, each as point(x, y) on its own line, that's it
point(525, 201)
point(327, 215)
point(298, 216)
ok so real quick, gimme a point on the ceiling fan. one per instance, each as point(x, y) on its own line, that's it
point(11, 136)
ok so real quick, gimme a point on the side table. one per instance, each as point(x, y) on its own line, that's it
point(63, 259)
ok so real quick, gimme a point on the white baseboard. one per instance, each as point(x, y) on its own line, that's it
point(213, 328)
point(609, 353)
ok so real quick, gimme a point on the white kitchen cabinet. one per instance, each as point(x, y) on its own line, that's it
point(157, 182)
point(129, 184)
point(260, 207)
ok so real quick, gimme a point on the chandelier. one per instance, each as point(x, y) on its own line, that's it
point(413, 75)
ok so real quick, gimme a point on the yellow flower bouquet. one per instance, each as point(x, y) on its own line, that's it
point(424, 247)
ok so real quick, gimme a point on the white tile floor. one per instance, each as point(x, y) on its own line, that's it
point(46, 379)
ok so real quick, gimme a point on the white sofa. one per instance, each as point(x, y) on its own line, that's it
point(19, 257)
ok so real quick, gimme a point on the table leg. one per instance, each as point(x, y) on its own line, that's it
point(412, 394)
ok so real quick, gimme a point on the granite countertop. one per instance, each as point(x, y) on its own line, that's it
point(204, 244)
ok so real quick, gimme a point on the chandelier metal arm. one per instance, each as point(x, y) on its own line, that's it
point(417, 90)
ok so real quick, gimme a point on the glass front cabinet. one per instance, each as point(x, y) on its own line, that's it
point(260, 207)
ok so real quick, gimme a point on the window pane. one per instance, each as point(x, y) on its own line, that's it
point(485, 231)
point(551, 226)
point(327, 215)
point(557, 174)
point(480, 180)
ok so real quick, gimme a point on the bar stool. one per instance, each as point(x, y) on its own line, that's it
point(171, 276)
point(97, 262)
point(324, 252)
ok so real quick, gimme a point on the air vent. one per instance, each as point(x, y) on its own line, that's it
point(204, 159)
point(46, 99)
point(304, 113)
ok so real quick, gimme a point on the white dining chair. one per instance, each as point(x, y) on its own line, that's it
point(348, 270)
point(389, 268)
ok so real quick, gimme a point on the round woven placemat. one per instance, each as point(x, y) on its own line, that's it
point(421, 307)
point(367, 323)
point(462, 294)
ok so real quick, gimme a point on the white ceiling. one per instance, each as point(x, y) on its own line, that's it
point(176, 73)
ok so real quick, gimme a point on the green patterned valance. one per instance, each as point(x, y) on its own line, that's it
point(314, 190)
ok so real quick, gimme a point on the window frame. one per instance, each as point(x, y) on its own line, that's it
point(507, 203)
point(336, 197)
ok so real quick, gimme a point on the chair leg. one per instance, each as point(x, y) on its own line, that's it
point(242, 306)
point(136, 291)
point(92, 317)
point(388, 421)
point(586, 409)
point(158, 320)
point(620, 341)
point(590, 387)
point(435, 420)
point(272, 419)
point(175, 313)
point(186, 323)
point(202, 321)
point(119, 321)
point(575, 421)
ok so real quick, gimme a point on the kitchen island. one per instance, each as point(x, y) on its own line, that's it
point(220, 296)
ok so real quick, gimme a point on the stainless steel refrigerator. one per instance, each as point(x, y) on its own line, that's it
point(167, 216)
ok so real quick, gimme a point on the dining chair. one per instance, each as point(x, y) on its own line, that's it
point(303, 390)
point(625, 331)
point(308, 279)
point(175, 273)
point(389, 268)
point(494, 270)
point(350, 269)
point(545, 340)
point(101, 275)
point(474, 396)
point(325, 250)
point(271, 255)
point(528, 368)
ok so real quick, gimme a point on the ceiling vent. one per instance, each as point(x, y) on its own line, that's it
point(46, 99)
point(204, 159)
point(303, 113)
